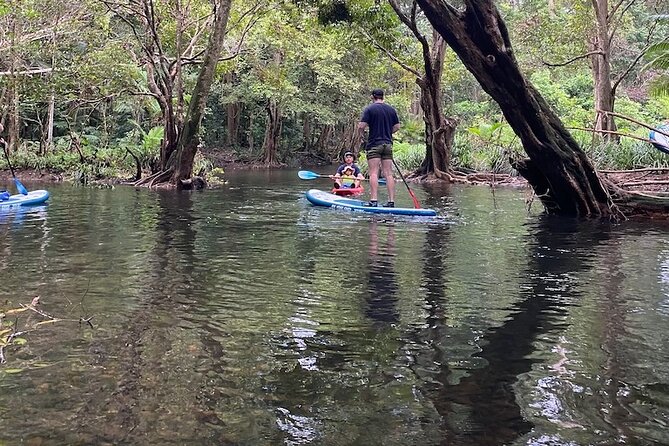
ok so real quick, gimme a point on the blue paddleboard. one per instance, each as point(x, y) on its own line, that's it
point(320, 198)
point(33, 197)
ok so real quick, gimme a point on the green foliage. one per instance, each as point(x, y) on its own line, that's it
point(486, 158)
point(202, 165)
point(472, 111)
point(97, 163)
point(313, 58)
point(487, 132)
point(333, 12)
point(658, 59)
point(412, 131)
point(572, 101)
point(408, 156)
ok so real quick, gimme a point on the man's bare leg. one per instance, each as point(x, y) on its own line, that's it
point(374, 165)
point(387, 166)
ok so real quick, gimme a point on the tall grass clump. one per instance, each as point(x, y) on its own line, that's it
point(625, 155)
point(485, 147)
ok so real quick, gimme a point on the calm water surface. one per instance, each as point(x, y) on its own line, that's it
point(244, 316)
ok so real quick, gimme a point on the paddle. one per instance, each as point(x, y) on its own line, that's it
point(416, 203)
point(20, 187)
point(309, 175)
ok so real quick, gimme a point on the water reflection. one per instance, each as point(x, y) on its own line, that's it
point(146, 368)
point(482, 408)
point(232, 317)
point(21, 214)
point(32, 222)
point(381, 304)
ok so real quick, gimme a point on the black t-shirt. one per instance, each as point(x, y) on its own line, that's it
point(380, 117)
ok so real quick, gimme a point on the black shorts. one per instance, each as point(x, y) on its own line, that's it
point(383, 151)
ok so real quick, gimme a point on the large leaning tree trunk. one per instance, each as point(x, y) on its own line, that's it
point(177, 162)
point(189, 140)
point(557, 169)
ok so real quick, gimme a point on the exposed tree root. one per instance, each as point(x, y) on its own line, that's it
point(468, 177)
point(138, 165)
point(155, 179)
point(636, 192)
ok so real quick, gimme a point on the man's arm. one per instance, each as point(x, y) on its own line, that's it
point(396, 127)
point(360, 133)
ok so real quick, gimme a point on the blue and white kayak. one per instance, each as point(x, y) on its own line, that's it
point(660, 141)
point(320, 198)
point(33, 197)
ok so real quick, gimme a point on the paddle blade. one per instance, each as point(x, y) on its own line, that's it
point(20, 187)
point(307, 175)
point(416, 203)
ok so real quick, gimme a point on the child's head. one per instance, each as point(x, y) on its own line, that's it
point(348, 157)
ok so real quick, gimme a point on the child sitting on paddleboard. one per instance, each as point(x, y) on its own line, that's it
point(348, 174)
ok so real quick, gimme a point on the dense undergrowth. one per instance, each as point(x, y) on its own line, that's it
point(90, 164)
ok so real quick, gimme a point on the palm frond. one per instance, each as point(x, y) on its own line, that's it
point(660, 86)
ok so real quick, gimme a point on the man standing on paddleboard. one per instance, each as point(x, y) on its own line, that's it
point(382, 121)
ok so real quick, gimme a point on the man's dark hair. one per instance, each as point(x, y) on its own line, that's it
point(377, 93)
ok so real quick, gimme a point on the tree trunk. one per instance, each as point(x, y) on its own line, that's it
point(13, 119)
point(189, 140)
point(557, 168)
point(250, 140)
point(439, 131)
point(438, 136)
point(306, 132)
point(415, 108)
point(177, 72)
point(272, 133)
point(349, 141)
point(324, 138)
point(233, 113)
point(50, 117)
point(601, 72)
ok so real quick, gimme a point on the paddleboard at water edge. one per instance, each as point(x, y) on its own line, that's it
point(33, 197)
point(325, 199)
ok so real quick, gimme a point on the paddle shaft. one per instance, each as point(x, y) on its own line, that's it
point(416, 203)
point(19, 186)
point(344, 177)
point(4, 149)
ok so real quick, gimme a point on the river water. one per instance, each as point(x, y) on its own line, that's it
point(245, 316)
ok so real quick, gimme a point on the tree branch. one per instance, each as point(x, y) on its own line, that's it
point(572, 60)
point(632, 120)
point(388, 53)
point(613, 132)
point(33, 71)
